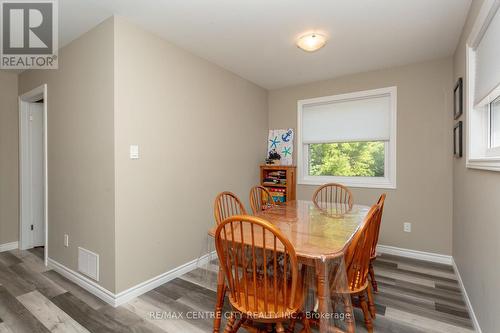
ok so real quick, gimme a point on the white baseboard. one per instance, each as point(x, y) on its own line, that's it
point(135, 291)
point(420, 255)
point(150, 284)
point(84, 282)
point(438, 258)
point(9, 246)
point(475, 322)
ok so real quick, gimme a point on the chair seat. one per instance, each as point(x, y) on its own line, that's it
point(255, 308)
point(358, 289)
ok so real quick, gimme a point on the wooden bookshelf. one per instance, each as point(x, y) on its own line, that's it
point(280, 180)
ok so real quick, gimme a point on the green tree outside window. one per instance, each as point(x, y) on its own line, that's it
point(349, 159)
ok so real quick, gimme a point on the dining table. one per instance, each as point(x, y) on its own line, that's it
point(320, 234)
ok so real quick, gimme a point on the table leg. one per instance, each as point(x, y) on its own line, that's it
point(323, 294)
point(221, 294)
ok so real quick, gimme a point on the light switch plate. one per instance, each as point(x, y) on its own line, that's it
point(134, 152)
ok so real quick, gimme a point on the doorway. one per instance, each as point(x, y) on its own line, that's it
point(33, 224)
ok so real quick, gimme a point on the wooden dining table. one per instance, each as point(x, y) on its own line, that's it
point(319, 234)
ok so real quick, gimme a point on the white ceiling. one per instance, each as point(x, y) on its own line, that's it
point(255, 38)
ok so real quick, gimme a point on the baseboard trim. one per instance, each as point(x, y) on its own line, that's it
point(150, 284)
point(420, 255)
point(135, 291)
point(9, 246)
point(84, 282)
point(475, 322)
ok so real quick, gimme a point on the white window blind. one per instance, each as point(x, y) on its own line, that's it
point(487, 76)
point(362, 119)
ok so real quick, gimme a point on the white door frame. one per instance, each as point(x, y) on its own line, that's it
point(24, 100)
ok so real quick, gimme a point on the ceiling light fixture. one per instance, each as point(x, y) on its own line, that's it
point(311, 42)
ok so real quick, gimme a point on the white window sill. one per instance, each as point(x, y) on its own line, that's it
point(362, 182)
point(487, 163)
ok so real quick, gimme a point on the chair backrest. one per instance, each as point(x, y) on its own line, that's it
point(227, 204)
point(332, 193)
point(260, 266)
point(376, 225)
point(260, 199)
point(357, 256)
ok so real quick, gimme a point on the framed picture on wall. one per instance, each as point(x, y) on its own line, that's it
point(457, 140)
point(458, 99)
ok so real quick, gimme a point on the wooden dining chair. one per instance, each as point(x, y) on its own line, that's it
point(227, 204)
point(357, 262)
point(332, 193)
point(376, 231)
point(262, 288)
point(260, 199)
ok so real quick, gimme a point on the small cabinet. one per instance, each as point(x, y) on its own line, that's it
point(280, 181)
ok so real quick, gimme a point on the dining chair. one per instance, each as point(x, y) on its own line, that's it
point(357, 262)
point(259, 292)
point(376, 231)
point(227, 204)
point(260, 199)
point(332, 193)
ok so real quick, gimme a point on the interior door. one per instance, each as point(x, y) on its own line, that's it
point(37, 171)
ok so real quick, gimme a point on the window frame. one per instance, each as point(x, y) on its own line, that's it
point(389, 179)
point(479, 153)
point(492, 150)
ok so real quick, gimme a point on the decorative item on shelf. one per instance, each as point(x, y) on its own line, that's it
point(458, 99)
point(280, 143)
point(457, 140)
point(273, 157)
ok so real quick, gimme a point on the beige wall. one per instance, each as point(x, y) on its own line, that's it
point(476, 223)
point(81, 149)
point(200, 130)
point(9, 158)
point(424, 159)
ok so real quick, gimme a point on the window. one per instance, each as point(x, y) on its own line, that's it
point(347, 159)
point(349, 139)
point(483, 91)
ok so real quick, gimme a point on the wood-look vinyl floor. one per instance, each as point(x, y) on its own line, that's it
point(414, 297)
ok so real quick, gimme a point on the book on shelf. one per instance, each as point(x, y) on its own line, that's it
point(275, 178)
point(278, 195)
